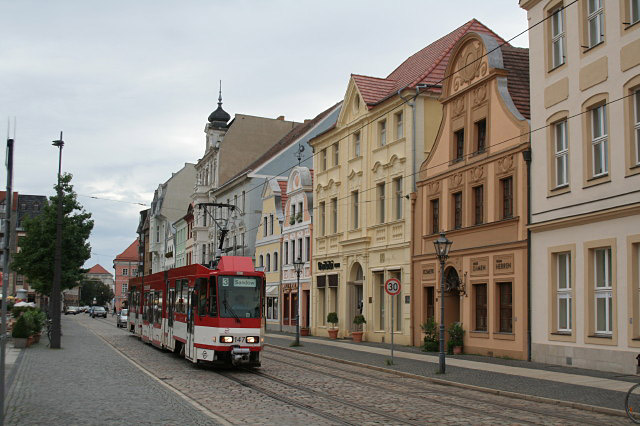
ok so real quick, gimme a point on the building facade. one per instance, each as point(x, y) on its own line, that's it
point(473, 185)
point(125, 266)
point(363, 168)
point(585, 219)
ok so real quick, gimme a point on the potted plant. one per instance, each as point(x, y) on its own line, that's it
point(304, 331)
point(20, 333)
point(332, 318)
point(358, 320)
point(35, 318)
point(292, 220)
point(431, 340)
point(456, 338)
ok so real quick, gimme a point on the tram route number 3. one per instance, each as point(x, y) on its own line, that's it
point(392, 286)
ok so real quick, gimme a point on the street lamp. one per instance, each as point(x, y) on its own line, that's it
point(57, 269)
point(442, 245)
point(298, 264)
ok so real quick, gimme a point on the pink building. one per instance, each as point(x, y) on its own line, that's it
point(126, 266)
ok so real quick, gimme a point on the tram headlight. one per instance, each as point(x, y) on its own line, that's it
point(226, 339)
point(252, 339)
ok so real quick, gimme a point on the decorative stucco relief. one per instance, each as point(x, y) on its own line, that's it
point(469, 65)
point(505, 164)
point(456, 180)
point(433, 187)
point(479, 94)
point(476, 173)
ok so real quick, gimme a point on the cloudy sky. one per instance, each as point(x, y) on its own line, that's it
point(131, 83)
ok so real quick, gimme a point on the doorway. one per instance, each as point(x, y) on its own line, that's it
point(356, 294)
point(451, 297)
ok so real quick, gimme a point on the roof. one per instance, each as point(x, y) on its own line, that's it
point(516, 62)
point(283, 194)
point(14, 201)
point(130, 254)
point(426, 66)
point(98, 269)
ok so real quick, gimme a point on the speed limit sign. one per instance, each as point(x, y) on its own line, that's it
point(392, 286)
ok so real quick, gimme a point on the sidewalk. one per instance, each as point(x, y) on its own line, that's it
point(602, 391)
point(88, 382)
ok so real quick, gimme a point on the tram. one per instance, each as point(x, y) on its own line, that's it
point(207, 315)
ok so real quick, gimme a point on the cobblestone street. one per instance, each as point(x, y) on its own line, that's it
point(293, 388)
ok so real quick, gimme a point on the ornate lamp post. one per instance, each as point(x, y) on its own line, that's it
point(298, 264)
point(57, 269)
point(442, 245)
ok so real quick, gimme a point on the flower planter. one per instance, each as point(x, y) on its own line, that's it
point(36, 337)
point(30, 341)
point(19, 342)
point(333, 333)
point(357, 336)
point(304, 331)
point(457, 350)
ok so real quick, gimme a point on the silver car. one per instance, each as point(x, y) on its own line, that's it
point(121, 319)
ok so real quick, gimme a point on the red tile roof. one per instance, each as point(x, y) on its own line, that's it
point(14, 201)
point(130, 254)
point(424, 67)
point(98, 269)
point(516, 62)
point(283, 194)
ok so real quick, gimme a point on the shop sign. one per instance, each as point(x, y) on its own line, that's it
point(479, 266)
point(327, 265)
point(429, 271)
point(503, 264)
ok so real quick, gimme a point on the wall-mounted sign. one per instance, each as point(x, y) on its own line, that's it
point(503, 264)
point(428, 271)
point(327, 265)
point(479, 266)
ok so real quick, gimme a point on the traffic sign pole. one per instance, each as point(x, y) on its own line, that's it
point(391, 297)
point(392, 286)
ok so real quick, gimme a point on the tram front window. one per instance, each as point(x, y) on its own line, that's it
point(239, 297)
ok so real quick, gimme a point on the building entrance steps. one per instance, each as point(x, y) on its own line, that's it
point(587, 389)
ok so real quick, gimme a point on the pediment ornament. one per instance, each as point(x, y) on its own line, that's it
point(479, 94)
point(455, 180)
point(458, 106)
point(476, 173)
point(506, 163)
point(434, 187)
point(469, 65)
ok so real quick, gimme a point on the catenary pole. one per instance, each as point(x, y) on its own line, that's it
point(57, 269)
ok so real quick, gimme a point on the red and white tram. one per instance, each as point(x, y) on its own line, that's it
point(207, 315)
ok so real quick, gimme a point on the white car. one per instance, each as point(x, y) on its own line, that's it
point(121, 319)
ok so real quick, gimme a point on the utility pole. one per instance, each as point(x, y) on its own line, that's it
point(57, 269)
point(5, 273)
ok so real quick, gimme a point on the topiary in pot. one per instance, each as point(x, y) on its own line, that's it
point(358, 320)
point(332, 318)
point(456, 338)
point(20, 333)
point(431, 338)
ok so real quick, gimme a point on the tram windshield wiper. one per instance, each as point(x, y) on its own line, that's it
point(229, 309)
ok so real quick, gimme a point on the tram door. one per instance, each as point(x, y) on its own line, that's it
point(191, 300)
point(171, 302)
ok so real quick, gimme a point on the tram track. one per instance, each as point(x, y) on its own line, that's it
point(435, 398)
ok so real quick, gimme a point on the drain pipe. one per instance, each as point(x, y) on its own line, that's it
point(526, 154)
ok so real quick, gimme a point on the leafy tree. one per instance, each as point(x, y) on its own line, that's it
point(95, 288)
point(36, 257)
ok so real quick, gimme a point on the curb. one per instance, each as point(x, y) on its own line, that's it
point(516, 395)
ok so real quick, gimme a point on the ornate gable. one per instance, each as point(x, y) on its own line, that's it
point(354, 105)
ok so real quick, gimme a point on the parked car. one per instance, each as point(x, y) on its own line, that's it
point(98, 311)
point(85, 309)
point(121, 319)
point(72, 310)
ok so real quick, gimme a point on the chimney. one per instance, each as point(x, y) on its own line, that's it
point(281, 118)
point(306, 120)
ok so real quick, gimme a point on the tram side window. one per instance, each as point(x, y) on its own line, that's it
point(158, 308)
point(145, 297)
point(180, 296)
point(201, 284)
point(213, 297)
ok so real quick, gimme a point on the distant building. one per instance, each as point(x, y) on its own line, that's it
point(98, 273)
point(126, 267)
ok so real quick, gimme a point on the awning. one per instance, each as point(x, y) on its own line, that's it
point(272, 290)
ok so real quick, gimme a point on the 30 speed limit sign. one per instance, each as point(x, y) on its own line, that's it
point(392, 286)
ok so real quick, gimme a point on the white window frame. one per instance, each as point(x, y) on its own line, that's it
point(381, 191)
point(603, 291)
point(382, 132)
point(561, 148)
point(125, 272)
point(399, 125)
point(634, 11)
point(599, 142)
point(356, 144)
point(355, 200)
point(336, 154)
point(557, 37)
point(397, 183)
point(564, 293)
point(595, 16)
point(636, 125)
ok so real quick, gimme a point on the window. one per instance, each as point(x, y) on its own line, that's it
point(478, 204)
point(323, 160)
point(356, 144)
point(293, 212)
point(334, 215)
point(125, 271)
point(481, 134)
point(480, 291)
point(595, 22)
point(380, 197)
point(564, 296)
point(557, 37)
point(397, 303)
point(286, 252)
point(275, 261)
point(506, 187)
point(355, 206)
point(235, 244)
point(307, 247)
point(435, 216)
point(506, 311)
point(125, 288)
point(300, 211)
point(634, 11)
point(158, 233)
point(379, 283)
point(430, 298)
point(293, 251)
point(636, 126)
point(271, 224)
point(322, 217)
point(457, 210)
point(397, 183)
point(261, 264)
point(561, 153)
point(599, 148)
point(336, 154)
point(243, 198)
point(322, 299)
point(603, 290)
point(399, 129)
point(459, 144)
point(264, 226)
point(382, 132)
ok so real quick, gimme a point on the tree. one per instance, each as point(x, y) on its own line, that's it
point(90, 289)
point(35, 260)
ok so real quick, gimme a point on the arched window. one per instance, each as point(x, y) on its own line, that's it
point(268, 265)
point(261, 264)
point(275, 261)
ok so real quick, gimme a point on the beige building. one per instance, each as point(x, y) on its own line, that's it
point(585, 218)
point(473, 185)
point(364, 167)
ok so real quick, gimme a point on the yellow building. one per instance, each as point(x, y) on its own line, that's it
point(268, 243)
point(473, 185)
point(364, 167)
